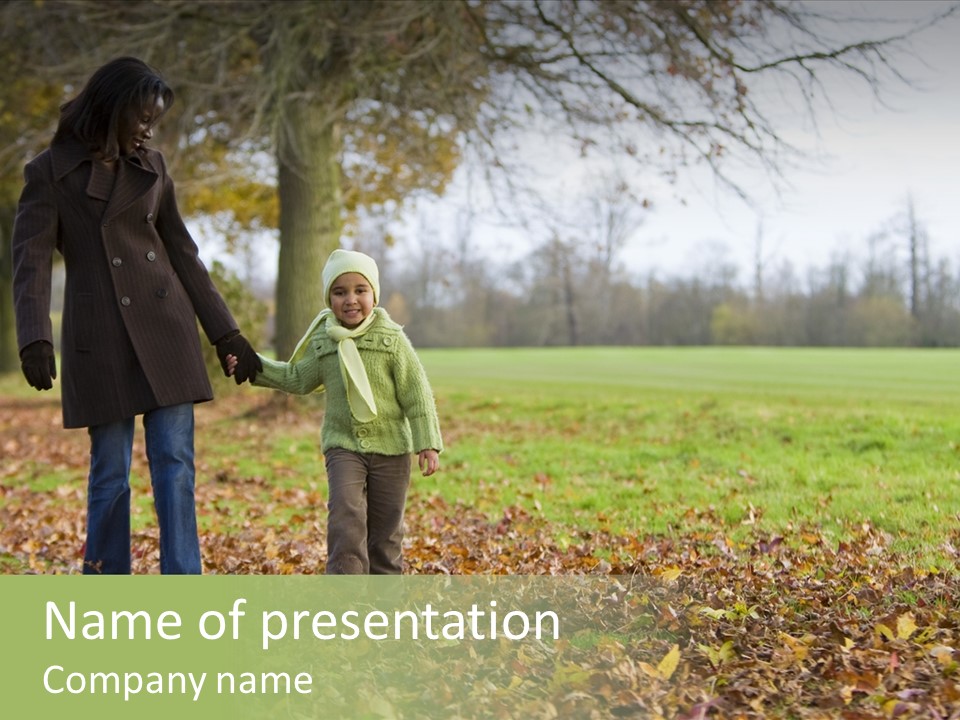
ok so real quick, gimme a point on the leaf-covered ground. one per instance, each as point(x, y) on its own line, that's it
point(697, 625)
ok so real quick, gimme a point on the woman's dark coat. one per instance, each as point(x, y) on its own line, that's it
point(135, 284)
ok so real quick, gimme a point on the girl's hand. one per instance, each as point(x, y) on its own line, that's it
point(231, 365)
point(429, 462)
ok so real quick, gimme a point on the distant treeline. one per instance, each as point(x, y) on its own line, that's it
point(562, 295)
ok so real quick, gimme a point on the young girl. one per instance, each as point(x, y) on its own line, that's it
point(379, 409)
point(135, 288)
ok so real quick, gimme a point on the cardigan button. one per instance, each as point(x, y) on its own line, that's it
point(364, 444)
point(388, 341)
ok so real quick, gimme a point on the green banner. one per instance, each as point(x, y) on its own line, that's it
point(332, 647)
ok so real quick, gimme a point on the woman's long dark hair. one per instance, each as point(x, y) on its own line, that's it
point(123, 85)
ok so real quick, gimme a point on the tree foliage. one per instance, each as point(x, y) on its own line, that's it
point(365, 104)
point(672, 83)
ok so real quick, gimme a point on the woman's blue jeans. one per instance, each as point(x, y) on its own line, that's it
point(168, 433)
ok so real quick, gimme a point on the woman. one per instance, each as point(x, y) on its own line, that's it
point(135, 287)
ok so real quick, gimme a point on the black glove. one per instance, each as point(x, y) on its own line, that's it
point(38, 364)
point(248, 364)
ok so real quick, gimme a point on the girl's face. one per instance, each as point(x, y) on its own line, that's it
point(351, 299)
point(136, 126)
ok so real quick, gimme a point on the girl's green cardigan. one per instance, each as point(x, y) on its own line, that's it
point(406, 412)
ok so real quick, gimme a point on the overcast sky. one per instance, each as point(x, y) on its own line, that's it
point(865, 159)
point(874, 158)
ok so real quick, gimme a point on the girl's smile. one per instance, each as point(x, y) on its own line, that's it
point(351, 299)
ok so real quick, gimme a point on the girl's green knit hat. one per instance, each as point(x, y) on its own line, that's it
point(345, 261)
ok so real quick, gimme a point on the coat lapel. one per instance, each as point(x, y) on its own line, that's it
point(101, 182)
point(133, 182)
point(66, 156)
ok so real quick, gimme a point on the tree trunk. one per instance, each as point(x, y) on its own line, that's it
point(309, 193)
point(569, 300)
point(9, 359)
point(914, 233)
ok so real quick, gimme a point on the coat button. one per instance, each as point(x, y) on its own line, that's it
point(162, 293)
point(125, 301)
point(151, 256)
point(149, 217)
point(117, 262)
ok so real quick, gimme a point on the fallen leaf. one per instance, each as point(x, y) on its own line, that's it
point(668, 664)
point(906, 626)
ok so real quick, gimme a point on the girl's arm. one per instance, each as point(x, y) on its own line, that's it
point(299, 379)
point(416, 400)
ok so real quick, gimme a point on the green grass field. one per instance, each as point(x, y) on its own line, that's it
point(662, 440)
point(781, 525)
point(636, 441)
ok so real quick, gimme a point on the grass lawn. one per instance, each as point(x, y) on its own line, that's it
point(624, 440)
point(779, 527)
point(662, 440)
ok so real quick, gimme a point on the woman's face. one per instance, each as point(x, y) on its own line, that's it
point(136, 126)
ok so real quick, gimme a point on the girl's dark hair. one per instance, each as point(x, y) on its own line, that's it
point(122, 85)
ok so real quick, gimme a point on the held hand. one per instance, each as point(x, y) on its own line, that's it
point(39, 364)
point(231, 365)
point(429, 462)
point(246, 365)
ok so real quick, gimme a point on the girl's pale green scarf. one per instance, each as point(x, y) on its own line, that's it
point(359, 393)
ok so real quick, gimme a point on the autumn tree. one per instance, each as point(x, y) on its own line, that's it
point(366, 102)
point(358, 103)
